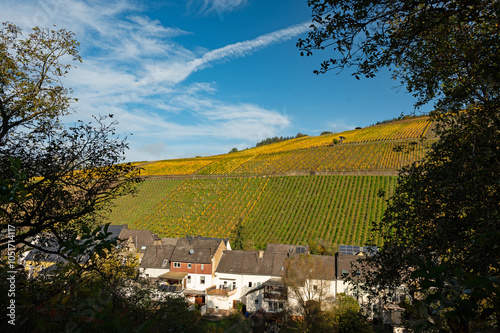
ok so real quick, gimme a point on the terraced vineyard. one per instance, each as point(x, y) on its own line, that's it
point(372, 156)
point(296, 191)
point(338, 209)
point(363, 149)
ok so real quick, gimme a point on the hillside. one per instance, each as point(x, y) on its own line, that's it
point(295, 191)
point(370, 148)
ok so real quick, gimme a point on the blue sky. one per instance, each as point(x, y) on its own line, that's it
point(199, 77)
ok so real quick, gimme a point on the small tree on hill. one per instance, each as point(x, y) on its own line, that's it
point(239, 236)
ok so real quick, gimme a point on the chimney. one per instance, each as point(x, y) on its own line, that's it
point(261, 255)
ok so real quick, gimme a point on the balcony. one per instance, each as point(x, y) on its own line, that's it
point(221, 291)
point(275, 293)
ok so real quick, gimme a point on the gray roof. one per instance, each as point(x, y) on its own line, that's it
point(52, 245)
point(48, 244)
point(140, 238)
point(270, 262)
point(169, 241)
point(344, 263)
point(287, 248)
point(196, 249)
point(239, 262)
point(154, 256)
point(324, 267)
point(115, 230)
point(226, 240)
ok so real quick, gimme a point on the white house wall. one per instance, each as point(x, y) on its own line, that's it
point(153, 272)
point(242, 285)
point(196, 282)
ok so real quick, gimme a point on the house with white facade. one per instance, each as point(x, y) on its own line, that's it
point(156, 261)
point(240, 272)
point(192, 265)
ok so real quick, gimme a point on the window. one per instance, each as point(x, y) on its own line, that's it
point(216, 309)
point(202, 280)
point(177, 265)
point(165, 262)
point(143, 247)
point(189, 279)
point(275, 306)
point(189, 266)
point(258, 284)
point(234, 285)
point(250, 284)
point(202, 266)
point(257, 302)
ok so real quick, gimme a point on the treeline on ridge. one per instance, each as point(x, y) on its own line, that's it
point(278, 139)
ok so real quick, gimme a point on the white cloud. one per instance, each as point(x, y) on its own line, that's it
point(245, 48)
point(215, 6)
point(339, 125)
point(134, 69)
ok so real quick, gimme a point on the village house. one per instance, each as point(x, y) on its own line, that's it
point(156, 261)
point(240, 275)
point(140, 239)
point(192, 265)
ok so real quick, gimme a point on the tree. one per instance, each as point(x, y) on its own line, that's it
point(309, 283)
point(58, 179)
point(54, 184)
point(441, 227)
point(444, 51)
point(239, 236)
point(346, 316)
point(31, 71)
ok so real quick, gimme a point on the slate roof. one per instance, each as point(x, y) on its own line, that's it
point(270, 262)
point(169, 241)
point(115, 230)
point(226, 240)
point(344, 263)
point(154, 256)
point(239, 262)
point(196, 249)
point(324, 267)
point(141, 238)
point(50, 244)
point(287, 248)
